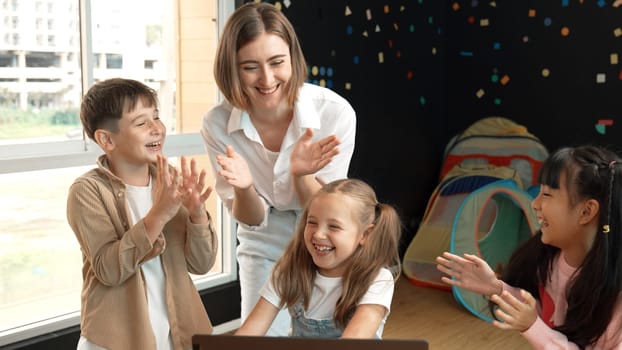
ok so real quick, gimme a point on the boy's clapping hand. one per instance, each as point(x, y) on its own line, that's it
point(191, 189)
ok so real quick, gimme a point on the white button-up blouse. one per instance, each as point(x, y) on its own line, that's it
point(317, 108)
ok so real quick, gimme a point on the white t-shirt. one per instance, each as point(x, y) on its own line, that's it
point(327, 290)
point(140, 201)
point(316, 108)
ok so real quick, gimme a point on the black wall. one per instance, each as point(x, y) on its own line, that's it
point(450, 63)
point(561, 108)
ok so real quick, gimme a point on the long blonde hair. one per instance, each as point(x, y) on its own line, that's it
point(294, 272)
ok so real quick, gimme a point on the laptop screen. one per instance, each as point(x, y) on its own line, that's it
point(231, 342)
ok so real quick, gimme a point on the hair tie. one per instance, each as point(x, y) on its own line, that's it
point(612, 171)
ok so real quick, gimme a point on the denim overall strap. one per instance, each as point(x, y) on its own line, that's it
point(306, 327)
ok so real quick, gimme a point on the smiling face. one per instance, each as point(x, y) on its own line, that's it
point(558, 217)
point(265, 68)
point(332, 233)
point(140, 137)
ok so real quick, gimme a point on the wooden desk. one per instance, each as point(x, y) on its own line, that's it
point(434, 315)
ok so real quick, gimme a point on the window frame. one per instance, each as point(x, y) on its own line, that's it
point(54, 155)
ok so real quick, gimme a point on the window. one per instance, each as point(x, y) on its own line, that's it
point(41, 59)
point(114, 61)
point(7, 59)
point(43, 149)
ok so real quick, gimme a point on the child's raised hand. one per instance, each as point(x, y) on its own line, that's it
point(191, 188)
point(166, 196)
point(309, 157)
point(515, 314)
point(470, 272)
point(234, 169)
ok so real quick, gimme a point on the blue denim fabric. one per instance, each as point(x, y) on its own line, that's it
point(310, 328)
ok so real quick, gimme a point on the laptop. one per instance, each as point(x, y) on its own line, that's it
point(232, 342)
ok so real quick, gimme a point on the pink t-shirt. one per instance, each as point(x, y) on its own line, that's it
point(552, 309)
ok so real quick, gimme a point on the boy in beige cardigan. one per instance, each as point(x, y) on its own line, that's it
point(142, 226)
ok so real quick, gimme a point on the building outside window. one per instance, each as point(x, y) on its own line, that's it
point(43, 149)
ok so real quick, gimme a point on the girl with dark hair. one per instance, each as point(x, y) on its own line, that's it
point(337, 275)
point(568, 276)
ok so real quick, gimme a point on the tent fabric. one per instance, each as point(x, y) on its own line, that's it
point(434, 233)
point(490, 223)
point(497, 141)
